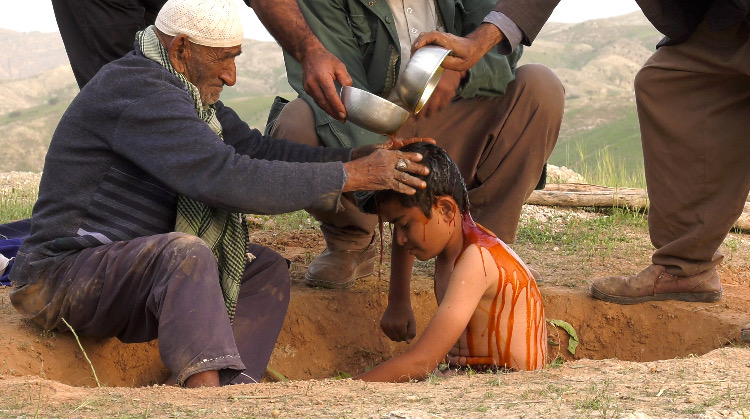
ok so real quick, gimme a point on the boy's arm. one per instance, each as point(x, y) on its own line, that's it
point(398, 321)
point(467, 285)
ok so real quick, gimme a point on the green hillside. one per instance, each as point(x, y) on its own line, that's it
point(595, 60)
point(254, 110)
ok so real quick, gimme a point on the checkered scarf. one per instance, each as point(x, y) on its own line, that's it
point(224, 232)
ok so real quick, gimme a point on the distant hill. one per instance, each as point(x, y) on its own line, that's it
point(35, 92)
point(596, 60)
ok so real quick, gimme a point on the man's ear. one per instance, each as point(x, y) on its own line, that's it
point(446, 207)
point(179, 53)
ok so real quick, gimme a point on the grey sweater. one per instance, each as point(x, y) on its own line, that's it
point(131, 141)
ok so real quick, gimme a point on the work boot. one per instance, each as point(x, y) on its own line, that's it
point(654, 284)
point(338, 269)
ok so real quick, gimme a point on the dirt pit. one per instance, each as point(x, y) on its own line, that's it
point(331, 333)
point(336, 333)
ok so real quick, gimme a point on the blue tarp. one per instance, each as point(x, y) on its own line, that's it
point(11, 237)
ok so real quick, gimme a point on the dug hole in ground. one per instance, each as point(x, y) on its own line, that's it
point(336, 333)
point(330, 333)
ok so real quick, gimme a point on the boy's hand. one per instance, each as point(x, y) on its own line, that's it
point(398, 323)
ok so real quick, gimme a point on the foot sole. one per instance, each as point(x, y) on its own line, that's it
point(365, 269)
point(693, 297)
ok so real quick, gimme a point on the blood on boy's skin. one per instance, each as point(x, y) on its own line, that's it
point(489, 314)
point(495, 330)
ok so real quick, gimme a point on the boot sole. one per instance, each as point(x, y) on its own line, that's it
point(365, 269)
point(693, 297)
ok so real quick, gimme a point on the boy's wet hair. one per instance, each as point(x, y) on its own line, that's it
point(443, 179)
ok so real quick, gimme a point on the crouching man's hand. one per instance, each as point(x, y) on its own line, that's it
point(385, 169)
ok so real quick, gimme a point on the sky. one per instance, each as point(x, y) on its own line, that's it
point(37, 15)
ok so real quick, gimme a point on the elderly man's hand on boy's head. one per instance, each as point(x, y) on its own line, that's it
point(385, 169)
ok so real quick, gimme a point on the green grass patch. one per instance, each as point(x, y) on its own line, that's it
point(254, 110)
point(609, 155)
point(16, 204)
point(587, 236)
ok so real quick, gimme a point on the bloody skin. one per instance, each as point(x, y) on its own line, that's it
point(507, 327)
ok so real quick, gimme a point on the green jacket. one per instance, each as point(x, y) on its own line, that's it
point(361, 33)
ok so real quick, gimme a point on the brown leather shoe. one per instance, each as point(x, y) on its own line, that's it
point(654, 284)
point(338, 269)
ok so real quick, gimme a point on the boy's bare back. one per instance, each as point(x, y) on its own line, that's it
point(508, 327)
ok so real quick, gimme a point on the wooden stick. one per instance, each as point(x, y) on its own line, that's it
point(585, 195)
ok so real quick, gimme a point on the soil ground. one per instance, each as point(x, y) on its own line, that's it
point(665, 359)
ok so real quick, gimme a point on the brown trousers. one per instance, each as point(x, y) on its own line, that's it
point(694, 110)
point(500, 144)
point(166, 287)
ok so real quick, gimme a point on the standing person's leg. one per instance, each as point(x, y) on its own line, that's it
point(693, 102)
point(261, 309)
point(350, 249)
point(164, 286)
point(500, 144)
point(96, 32)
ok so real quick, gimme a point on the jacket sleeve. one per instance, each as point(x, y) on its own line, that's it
point(347, 37)
point(193, 161)
point(492, 73)
point(529, 15)
point(252, 143)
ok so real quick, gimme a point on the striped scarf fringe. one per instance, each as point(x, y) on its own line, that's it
point(224, 232)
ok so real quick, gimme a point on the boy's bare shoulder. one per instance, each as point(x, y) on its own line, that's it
point(477, 258)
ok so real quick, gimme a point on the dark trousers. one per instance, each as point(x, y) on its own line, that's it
point(96, 32)
point(166, 287)
point(500, 145)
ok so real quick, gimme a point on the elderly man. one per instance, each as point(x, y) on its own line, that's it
point(97, 32)
point(136, 232)
point(498, 122)
point(692, 98)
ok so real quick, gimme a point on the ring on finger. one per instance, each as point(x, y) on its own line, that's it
point(401, 165)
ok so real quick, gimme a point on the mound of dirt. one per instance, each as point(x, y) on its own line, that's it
point(327, 333)
point(624, 364)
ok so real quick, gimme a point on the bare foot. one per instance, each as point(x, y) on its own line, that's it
point(203, 379)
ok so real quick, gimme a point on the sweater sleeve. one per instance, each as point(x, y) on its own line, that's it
point(162, 134)
point(252, 143)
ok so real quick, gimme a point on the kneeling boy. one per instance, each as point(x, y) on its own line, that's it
point(490, 312)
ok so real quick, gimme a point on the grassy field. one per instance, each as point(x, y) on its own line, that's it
point(254, 110)
point(610, 153)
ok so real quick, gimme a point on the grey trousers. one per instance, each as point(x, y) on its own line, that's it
point(694, 110)
point(500, 144)
point(166, 287)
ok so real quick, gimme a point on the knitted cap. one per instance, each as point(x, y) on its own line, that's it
point(212, 23)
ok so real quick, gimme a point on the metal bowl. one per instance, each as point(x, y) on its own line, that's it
point(420, 77)
point(372, 112)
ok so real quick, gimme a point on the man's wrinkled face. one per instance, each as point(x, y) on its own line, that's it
point(210, 68)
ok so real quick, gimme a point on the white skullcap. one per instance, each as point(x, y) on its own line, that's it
point(212, 23)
